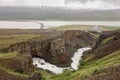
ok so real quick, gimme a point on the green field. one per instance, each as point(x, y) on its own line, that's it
point(7, 40)
point(85, 28)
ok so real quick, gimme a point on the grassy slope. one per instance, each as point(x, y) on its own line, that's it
point(85, 70)
point(89, 69)
point(7, 40)
point(5, 56)
point(85, 28)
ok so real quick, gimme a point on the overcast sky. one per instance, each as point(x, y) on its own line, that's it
point(74, 4)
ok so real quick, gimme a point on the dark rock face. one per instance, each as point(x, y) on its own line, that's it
point(77, 39)
point(58, 52)
point(36, 76)
point(106, 44)
point(20, 63)
point(56, 48)
point(112, 73)
point(6, 76)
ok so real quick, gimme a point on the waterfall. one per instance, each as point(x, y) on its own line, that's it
point(77, 57)
point(41, 63)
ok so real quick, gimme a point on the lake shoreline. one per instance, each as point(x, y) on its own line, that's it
point(35, 24)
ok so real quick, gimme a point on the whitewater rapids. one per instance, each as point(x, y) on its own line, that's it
point(41, 63)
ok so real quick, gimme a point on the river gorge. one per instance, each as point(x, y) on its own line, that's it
point(41, 63)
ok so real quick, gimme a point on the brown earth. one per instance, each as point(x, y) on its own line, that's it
point(111, 73)
point(7, 76)
point(56, 47)
point(107, 43)
point(20, 63)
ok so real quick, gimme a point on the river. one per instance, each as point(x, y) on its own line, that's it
point(47, 24)
point(41, 63)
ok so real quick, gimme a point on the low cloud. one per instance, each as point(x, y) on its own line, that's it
point(96, 4)
point(72, 4)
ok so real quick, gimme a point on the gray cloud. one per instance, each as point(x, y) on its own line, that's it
point(83, 1)
point(83, 4)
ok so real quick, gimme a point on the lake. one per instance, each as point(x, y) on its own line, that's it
point(47, 24)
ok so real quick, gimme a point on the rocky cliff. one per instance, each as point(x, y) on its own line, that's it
point(56, 47)
point(107, 43)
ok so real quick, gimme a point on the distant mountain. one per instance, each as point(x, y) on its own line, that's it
point(48, 13)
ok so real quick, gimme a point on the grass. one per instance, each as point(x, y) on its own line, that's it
point(8, 58)
point(15, 73)
point(45, 74)
point(109, 28)
point(7, 40)
point(8, 55)
point(107, 39)
point(72, 27)
point(85, 28)
point(95, 36)
point(5, 56)
point(90, 68)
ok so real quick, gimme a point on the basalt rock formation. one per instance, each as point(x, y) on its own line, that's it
point(6, 76)
point(111, 73)
point(20, 63)
point(107, 43)
point(56, 47)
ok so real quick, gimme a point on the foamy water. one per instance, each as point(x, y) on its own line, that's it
point(77, 57)
point(41, 63)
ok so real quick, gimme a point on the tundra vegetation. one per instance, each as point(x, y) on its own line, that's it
point(91, 65)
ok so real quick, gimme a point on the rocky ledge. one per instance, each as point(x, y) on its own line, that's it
point(56, 47)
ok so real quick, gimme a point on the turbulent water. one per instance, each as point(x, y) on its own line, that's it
point(41, 63)
point(77, 57)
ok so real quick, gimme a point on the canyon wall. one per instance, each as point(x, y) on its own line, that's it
point(55, 47)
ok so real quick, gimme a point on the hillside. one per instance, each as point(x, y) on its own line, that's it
point(100, 63)
point(43, 13)
point(84, 28)
point(18, 47)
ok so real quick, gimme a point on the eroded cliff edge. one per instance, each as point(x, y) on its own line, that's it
point(56, 47)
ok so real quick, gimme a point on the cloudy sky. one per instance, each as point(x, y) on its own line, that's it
point(74, 4)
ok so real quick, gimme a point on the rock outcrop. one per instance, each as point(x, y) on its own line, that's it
point(20, 63)
point(111, 73)
point(55, 47)
point(107, 43)
point(7, 76)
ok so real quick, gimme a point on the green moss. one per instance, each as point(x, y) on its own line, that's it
point(107, 39)
point(45, 74)
point(95, 36)
point(85, 28)
point(14, 72)
point(90, 68)
point(73, 27)
point(8, 55)
point(109, 28)
point(7, 40)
